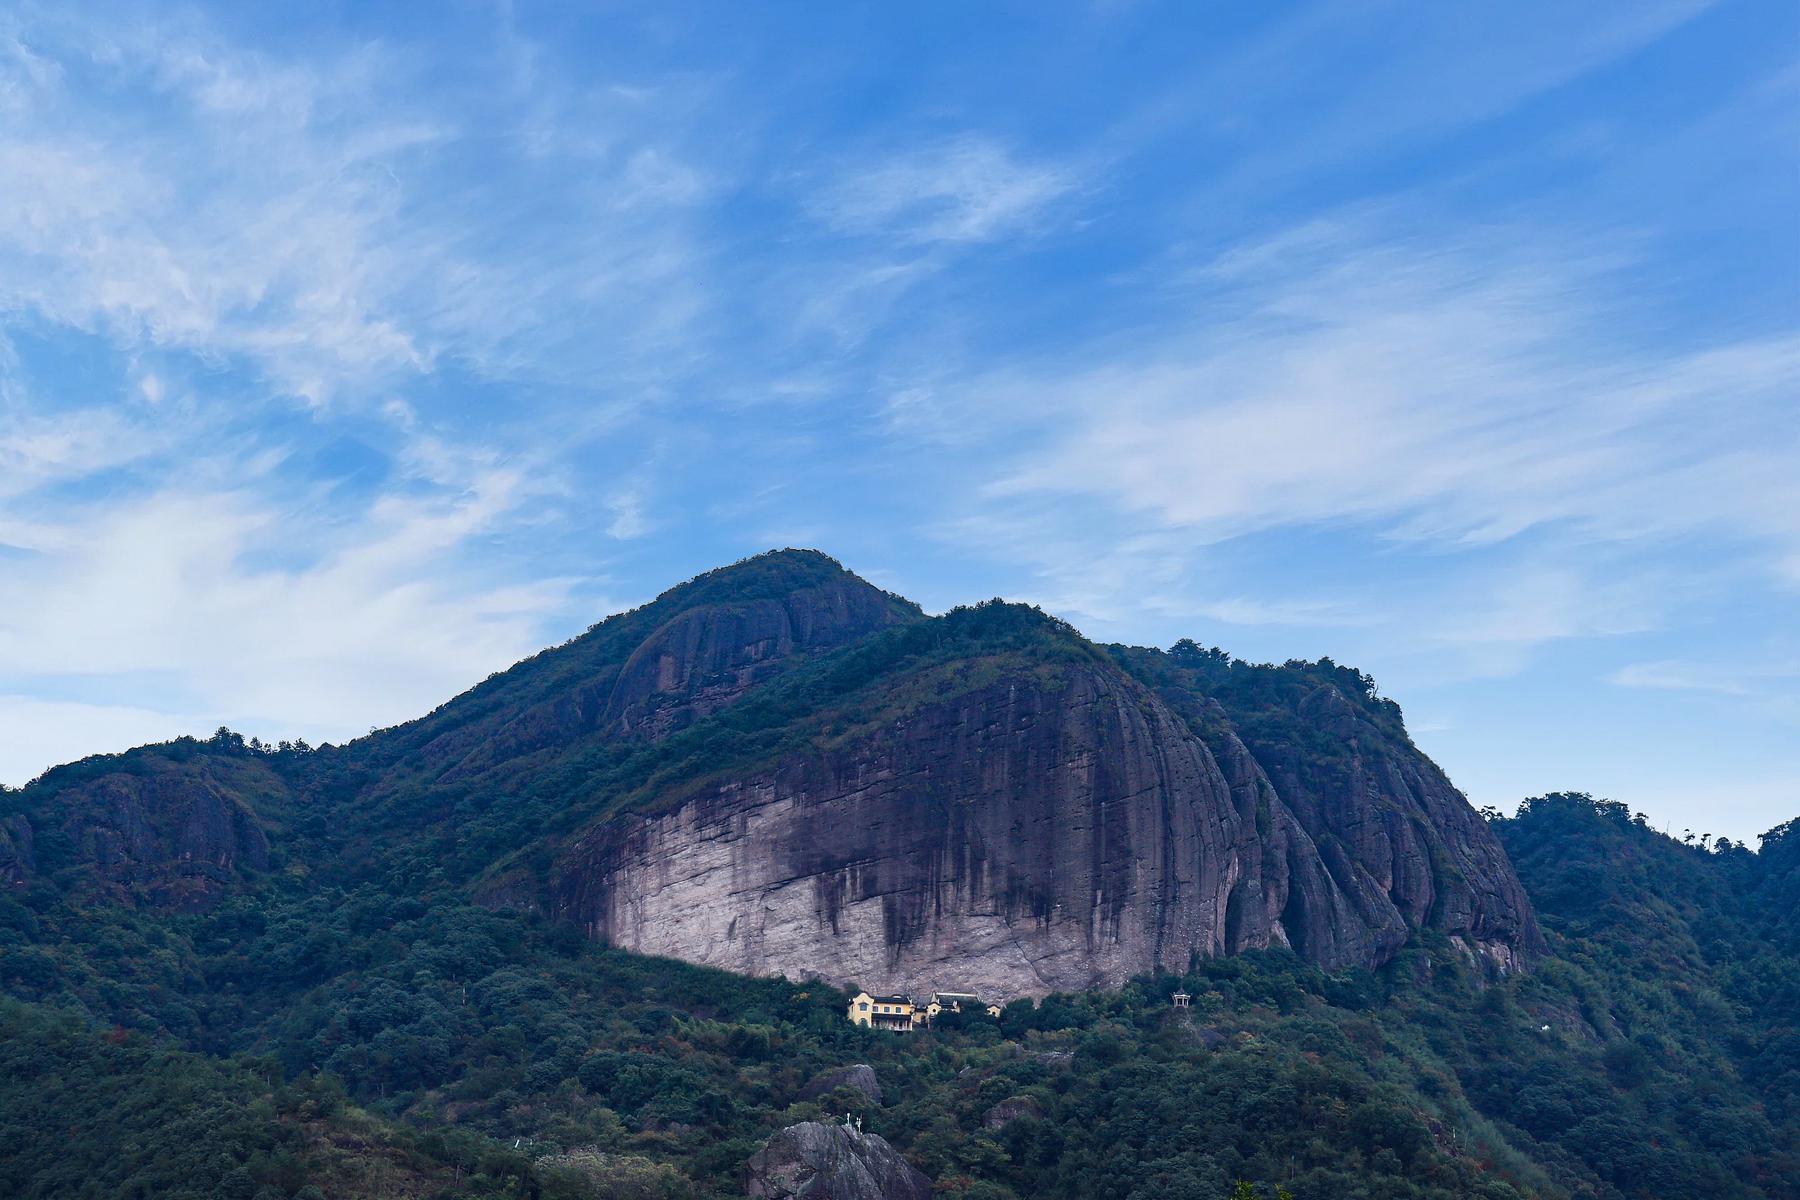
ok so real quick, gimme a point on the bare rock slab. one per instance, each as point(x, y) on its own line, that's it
point(814, 1161)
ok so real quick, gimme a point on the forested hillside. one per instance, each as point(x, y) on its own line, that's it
point(268, 972)
point(367, 1043)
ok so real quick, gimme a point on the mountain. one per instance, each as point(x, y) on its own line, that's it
point(185, 821)
point(426, 963)
point(780, 769)
point(985, 800)
point(648, 673)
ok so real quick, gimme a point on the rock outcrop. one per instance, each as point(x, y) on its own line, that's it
point(1027, 823)
point(642, 675)
point(1400, 843)
point(813, 1161)
point(858, 1077)
point(175, 834)
point(704, 659)
point(778, 768)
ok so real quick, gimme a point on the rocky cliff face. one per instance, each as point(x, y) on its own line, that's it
point(1023, 826)
point(168, 833)
point(643, 675)
point(778, 768)
point(702, 660)
point(1400, 843)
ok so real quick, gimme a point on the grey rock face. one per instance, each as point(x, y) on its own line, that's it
point(705, 659)
point(1042, 834)
point(649, 673)
point(861, 1077)
point(812, 1161)
point(1014, 840)
point(1401, 843)
point(174, 834)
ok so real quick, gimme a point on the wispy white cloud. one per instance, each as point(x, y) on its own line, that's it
point(896, 224)
point(1444, 392)
point(310, 217)
point(1674, 675)
point(1460, 395)
point(1767, 686)
point(1491, 621)
point(629, 508)
point(244, 231)
point(962, 190)
point(223, 233)
point(37, 450)
point(1475, 65)
point(268, 620)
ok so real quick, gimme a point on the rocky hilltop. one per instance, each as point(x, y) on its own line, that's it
point(169, 830)
point(987, 801)
point(779, 768)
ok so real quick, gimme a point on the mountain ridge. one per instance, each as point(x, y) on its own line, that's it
point(213, 951)
point(875, 795)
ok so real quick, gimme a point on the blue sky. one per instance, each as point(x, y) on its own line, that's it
point(350, 353)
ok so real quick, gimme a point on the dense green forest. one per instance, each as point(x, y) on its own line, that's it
point(369, 1043)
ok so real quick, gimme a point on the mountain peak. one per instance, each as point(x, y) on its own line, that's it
point(899, 798)
point(771, 575)
point(642, 674)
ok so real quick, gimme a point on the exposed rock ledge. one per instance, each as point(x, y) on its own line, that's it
point(1040, 835)
point(813, 1161)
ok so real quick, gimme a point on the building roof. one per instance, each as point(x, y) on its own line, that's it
point(891, 999)
point(940, 997)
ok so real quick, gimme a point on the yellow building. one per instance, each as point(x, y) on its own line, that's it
point(882, 1012)
point(956, 1002)
point(901, 1015)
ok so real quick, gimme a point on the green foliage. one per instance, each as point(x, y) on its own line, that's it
point(86, 1113)
point(451, 1023)
point(1672, 977)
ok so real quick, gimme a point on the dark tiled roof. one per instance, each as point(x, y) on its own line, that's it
point(891, 999)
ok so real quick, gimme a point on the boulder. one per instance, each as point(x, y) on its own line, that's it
point(815, 1161)
point(860, 1076)
point(1207, 1036)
